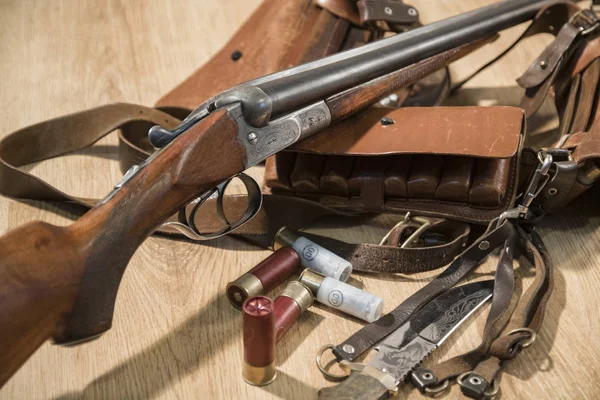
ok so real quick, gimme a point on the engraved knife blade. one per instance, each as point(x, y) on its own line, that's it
point(407, 346)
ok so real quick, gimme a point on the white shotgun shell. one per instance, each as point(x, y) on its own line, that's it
point(313, 256)
point(344, 297)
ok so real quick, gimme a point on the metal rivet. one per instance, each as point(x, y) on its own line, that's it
point(385, 121)
point(236, 55)
point(348, 349)
point(428, 376)
point(475, 380)
point(412, 12)
point(543, 64)
point(484, 245)
point(252, 138)
point(388, 11)
point(552, 191)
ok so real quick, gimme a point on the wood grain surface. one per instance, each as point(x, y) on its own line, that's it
point(174, 334)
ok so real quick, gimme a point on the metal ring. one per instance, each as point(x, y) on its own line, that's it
point(494, 390)
point(435, 389)
point(528, 342)
point(327, 374)
point(489, 393)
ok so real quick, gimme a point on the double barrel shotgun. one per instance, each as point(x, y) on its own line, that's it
point(61, 283)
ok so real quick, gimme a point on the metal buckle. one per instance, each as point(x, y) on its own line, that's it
point(414, 237)
point(583, 31)
point(538, 181)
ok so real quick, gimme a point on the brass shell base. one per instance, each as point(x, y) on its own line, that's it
point(242, 288)
point(259, 376)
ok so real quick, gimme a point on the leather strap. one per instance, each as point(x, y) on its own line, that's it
point(525, 322)
point(508, 328)
point(64, 135)
point(372, 333)
point(394, 259)
point(546, 21)
point(543, 72)
point(503, 304)
point(391, 11)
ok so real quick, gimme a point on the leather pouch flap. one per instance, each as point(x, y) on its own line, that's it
point(482, 132)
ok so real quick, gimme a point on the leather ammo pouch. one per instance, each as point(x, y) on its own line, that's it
point(456, 162)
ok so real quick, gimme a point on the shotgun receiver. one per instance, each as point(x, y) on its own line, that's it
point(60, 283)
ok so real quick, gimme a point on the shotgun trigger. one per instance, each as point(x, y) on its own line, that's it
point(186, 223)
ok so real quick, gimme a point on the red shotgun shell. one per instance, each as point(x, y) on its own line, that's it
point(266, 275)
point(259, 341)
point(288, 307)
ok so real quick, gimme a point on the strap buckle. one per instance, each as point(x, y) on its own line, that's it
point(414, 237)
point(585, 20)
point(538, 181)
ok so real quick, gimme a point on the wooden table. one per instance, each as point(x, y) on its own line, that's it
point(174, 334)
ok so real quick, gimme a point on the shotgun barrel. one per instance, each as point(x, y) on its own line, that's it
point(277, 94)
point(318, 80)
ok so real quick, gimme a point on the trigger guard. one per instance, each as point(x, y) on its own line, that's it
point(220, 210)
point(186, 223)
point(220, 189)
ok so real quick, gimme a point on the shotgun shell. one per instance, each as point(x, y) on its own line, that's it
point(314, 256)
point(342, 296)
point(266, 275)
point(259, 341)
point(291, 303)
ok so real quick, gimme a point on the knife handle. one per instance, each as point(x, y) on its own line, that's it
point(357, 386)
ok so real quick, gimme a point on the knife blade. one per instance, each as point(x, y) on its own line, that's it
point(407, 346)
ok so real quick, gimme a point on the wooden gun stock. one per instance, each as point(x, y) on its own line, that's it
point(61, 282)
